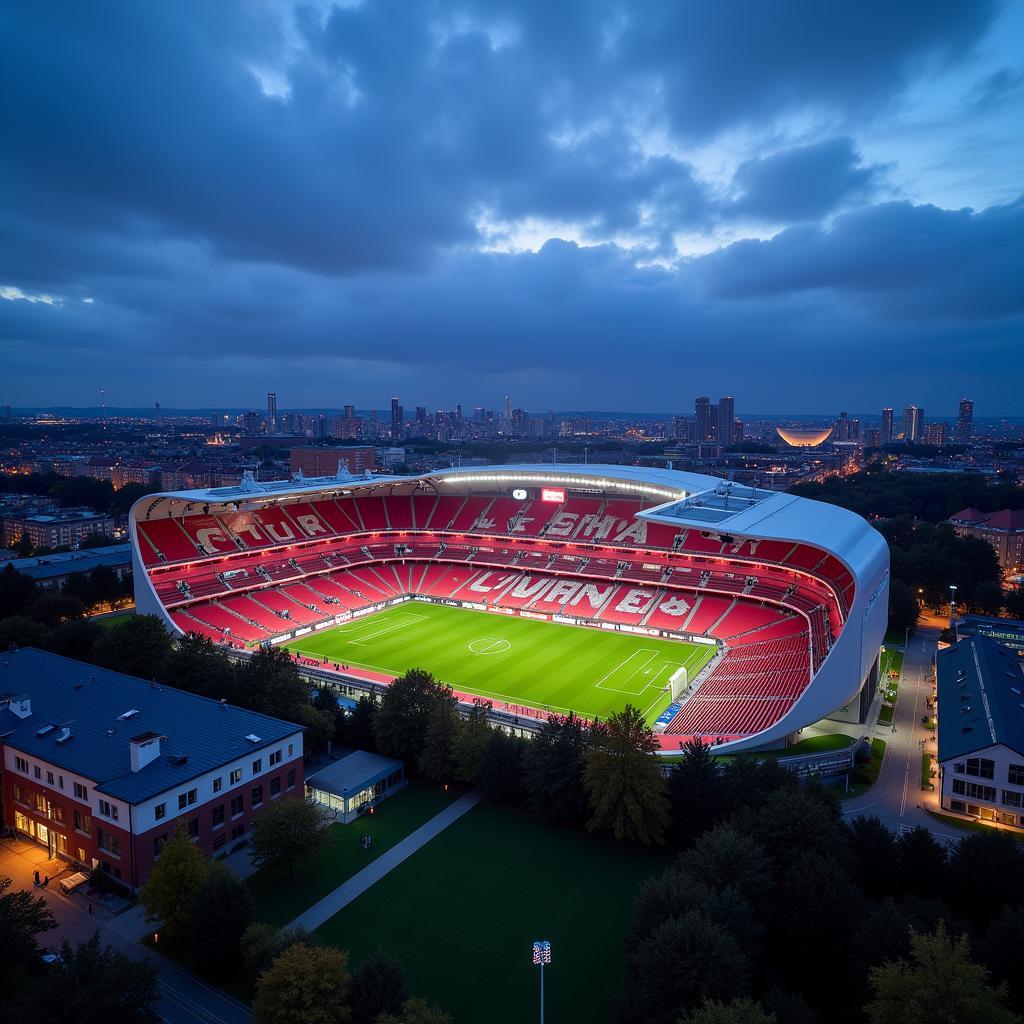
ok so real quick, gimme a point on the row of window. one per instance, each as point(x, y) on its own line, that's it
point(985, 768)
point(36, 771)
point(974, 790)
point(191, 796)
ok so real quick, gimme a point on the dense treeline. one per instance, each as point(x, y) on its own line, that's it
point(876, 493)
point(71, 491)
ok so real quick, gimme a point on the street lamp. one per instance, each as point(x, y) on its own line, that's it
point(541, 957)
point(952, 609)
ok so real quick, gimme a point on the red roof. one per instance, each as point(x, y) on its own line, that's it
point(969, 515)
point(1007, 519)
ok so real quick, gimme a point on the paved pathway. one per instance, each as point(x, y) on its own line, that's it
point(897, 798)
point(326, 908)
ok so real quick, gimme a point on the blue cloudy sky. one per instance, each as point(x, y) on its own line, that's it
point(588, 204)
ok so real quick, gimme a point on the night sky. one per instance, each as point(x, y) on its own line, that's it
point(598, 205)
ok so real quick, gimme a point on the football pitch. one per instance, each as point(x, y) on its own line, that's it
point(544, 665)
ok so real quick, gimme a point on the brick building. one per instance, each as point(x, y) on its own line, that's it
point(1003, 530)
point(62, 528)
point(98, 766)
point(324, 461)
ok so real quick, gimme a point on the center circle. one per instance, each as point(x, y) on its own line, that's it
point(489, 645)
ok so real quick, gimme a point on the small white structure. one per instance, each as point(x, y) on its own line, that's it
point(351, 786)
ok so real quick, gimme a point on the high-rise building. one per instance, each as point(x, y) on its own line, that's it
point(271, 413)
point(397, 418)
point(737, 432)
point(726, 427)
point(842, 428)
point(350, 412)
point(886, 431)
point(702, 419)
point(872, 437)
point(965, 420)
point(913, 423)
point(854, 430)
point(159, 417)
point(508, 412)
point(935, 433)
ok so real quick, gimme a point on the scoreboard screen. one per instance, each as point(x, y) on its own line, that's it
point(552, 494)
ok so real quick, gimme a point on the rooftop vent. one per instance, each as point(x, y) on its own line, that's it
point(179, 758)
point(253, 738)
point(45, 730)
point(128, 714)
point(64, 735)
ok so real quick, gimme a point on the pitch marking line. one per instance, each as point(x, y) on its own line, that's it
point(488, 645)
point(406, 620)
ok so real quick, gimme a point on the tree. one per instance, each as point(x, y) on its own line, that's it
point(416, 1011)
point(269, 682)
point(553, 770)
point(359, 725)
point(19, 631)
point(471, 741)
point(94, 984)
point(975, 861)
point(304, 983)
point(921, 866)
point(177, 876)
point(1003, 942)
point(16, 590)
point(437, 760)
point(193, 663)
point(22, 917)
point(51, 608)
point(682, 962)
point(221, 911)
point(904, 608)
point(399, 725)
point(694, 792)
point(377, 987)
point(75, 639)
point(623, 780)
point(1014, 601)
point(501, 772)
point(876, 853)
point(988, 598)
point(287, 832)
point(940, 984)
point(739, 1011)
point(260, 944)
point(730, 856)
point(136, 646)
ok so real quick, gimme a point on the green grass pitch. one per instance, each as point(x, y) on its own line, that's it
point(544, 665)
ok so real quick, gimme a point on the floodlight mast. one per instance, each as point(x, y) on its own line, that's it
point(542, 956)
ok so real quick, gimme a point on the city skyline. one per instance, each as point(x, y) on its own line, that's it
point(342, 201)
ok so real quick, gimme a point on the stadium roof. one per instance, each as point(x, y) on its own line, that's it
point(981, 698)
point(104, 710)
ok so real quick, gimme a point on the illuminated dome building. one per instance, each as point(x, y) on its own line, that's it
point(801, 438)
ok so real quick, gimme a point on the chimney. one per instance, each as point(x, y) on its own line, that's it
point(144, 749)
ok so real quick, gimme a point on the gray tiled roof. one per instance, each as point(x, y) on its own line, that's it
point(981, 697)
point(88, 700)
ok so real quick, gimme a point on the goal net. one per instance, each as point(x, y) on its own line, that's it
point(677, 684)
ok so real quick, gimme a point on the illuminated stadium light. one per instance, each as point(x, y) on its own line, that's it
point(559, 478)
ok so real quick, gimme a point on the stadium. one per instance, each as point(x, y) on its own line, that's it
point(724, 612)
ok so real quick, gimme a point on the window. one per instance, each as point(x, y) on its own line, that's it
point(187, 799)
point(257, 766)
point(237, 806)
point(159, 811)
point(974, 790)
point(960, 767)
point(37, 771)
point(1012, 798)
point(257, 795)
point(108, 810)
point(236, 776)
point(40, 803)
point(291, 778)
point(219, 841)
point(81, 792)
point(57, 813)
point(275, 758)
point(21, 764)
point(49, 778)
point(218, 816)
point(291, 749)
point(275, 786)
point(1015, 774)
point(60, 781)
point(83, 824)
point(218, 784)
point(981, 767)
point(193, 828)
point(21, 794)
point(238, 830)
point(109, 841)
point(158, 844)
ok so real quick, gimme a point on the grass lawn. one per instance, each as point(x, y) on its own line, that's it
point(279, 901)
point(891, 661)
point(926, 770)
point(462, 913)
point(539, 664)
point(885, 714)
point(113, 619)
point(973, 826)
point(866, 775)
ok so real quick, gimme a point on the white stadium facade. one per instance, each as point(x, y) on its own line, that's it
point(793, 593)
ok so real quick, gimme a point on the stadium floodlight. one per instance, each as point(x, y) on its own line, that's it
point(541, 957)
point(952, 610)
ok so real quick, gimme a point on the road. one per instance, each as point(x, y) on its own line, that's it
point(897, 798)
point(184, 999)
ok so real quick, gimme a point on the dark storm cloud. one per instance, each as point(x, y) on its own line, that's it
point(339, 225)
point(803, 183)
